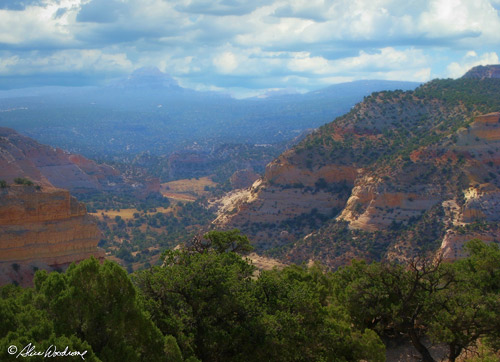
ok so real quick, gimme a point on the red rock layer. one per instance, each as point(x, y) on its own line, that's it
point(45, 227)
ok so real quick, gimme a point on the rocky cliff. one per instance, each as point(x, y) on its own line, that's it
point(22, 156)
point(402, 173)
point(243, 178)
point(42, 228)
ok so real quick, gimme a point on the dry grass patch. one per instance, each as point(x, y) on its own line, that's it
point(265, 263)
point(123, 213)
point(187, 189)
point(127, 214)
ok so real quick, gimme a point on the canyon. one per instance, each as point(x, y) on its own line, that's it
point(42, 226)
point(403, 173)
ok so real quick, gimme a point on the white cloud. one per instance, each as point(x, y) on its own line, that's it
point(225, 62)
point(182, 65)
point(87, 60)
point(385, 59)
point(7, 63)
point(336, 79)
point(260, 44)
point(413, 75)
point(466, 20)
point(303, 62)
point(299, 24)
point(265, 31)
point(39, 24)
point(249, 62)
point(470, 60)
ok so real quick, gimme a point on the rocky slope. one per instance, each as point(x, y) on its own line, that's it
point(21, 156)
point(484, 72)
point(42, 228)
point(402, 173)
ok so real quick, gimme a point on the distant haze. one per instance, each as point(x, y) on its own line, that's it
point(148, 111)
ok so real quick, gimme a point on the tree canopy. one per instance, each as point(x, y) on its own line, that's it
point(454, 304)
point(209, 303)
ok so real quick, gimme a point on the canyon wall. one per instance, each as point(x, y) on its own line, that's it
point(21, 156)
point(271, 210)
point(371, 199)
point(43, 228)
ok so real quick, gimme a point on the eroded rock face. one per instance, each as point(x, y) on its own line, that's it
point(477, 218)
point(21, 156)
point(243, 178)
point(45, 228)
point(483, 72)
point(452, 246)
point(455, 181)
point(373, 206)
point(283, 172)
point(286, 195)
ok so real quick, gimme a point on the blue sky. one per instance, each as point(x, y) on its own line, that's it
point(245, 47)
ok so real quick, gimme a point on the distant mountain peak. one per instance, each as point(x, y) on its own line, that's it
point(483, 72)
point(148, 72)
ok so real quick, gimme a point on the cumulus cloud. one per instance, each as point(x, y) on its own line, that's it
point(64, 61)
point(238, 44)
point(385, 59)
point(376, 23)
point(127, 22)
point(252, 62)
point(39, 24)
point(220, 7)
point(226, 62)
point(457, 21)
point(406, 62)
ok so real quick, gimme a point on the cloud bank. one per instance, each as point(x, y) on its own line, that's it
point(248, 46)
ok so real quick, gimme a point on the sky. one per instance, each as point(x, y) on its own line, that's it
point(245, 47)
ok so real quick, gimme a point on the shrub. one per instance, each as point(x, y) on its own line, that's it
point(23, 181)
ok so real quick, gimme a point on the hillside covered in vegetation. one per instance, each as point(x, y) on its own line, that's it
point(401, 173)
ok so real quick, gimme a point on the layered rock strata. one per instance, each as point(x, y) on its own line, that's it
point(285, 193)
point(22, 156)
point(44, 228)
point(456, 181)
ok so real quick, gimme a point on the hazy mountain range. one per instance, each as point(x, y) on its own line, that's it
point(149, 111)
